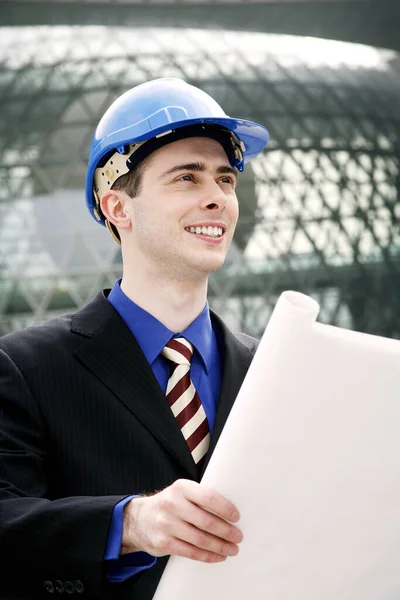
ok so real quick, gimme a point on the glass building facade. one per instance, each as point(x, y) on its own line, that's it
point(319, 208)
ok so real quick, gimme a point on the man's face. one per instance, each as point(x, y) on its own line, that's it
point(184, 218)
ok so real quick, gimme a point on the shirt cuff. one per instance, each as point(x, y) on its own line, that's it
point(119, 568)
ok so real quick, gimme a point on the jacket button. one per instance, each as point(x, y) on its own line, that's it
point(59, 586)
point(69, 587)
point(48, 586)
point(78, 586)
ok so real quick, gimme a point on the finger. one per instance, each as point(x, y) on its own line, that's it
point(211, 501)
point(178, 547)
point(203, 540)
point(210, 523)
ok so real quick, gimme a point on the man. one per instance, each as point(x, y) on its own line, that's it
point(109, 416)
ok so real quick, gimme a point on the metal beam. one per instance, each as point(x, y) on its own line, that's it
point(318, 277)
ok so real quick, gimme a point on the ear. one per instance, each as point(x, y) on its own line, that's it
point(114, 206)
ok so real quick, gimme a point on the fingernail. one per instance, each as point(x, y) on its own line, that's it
point(233, 550)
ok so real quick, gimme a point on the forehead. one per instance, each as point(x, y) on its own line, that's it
point(193, 149)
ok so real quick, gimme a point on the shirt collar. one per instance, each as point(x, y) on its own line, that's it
point(152, 335)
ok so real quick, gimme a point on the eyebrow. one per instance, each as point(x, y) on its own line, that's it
point(199, 168)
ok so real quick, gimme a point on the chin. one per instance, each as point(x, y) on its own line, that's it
point(211, 266)
point(206, 264)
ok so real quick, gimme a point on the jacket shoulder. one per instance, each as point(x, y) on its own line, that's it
point(37, 343)
point(41, 331)
point(59, 332)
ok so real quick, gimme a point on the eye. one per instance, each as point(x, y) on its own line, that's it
point(228, 179)
point(185, 178)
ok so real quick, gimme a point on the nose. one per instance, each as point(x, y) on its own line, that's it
point(214, 198)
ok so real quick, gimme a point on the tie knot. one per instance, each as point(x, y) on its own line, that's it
point(178, 351)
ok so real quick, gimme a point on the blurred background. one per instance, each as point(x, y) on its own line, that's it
point(319, 209)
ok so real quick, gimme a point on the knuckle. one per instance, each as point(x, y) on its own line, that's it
point(209, 557)
point(222, 548)
point(210, 497)
point(179, 485)
point(161, 520)
point(226, 531)
point(163, 543)
point(166, 502)
point(202, 540)
point(214, 558)
point(194, 554)
point(208, 522)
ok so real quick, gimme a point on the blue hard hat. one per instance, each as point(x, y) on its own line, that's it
point(154, 109)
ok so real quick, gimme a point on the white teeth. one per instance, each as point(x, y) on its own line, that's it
point(210, 231)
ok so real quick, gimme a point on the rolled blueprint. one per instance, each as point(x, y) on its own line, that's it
point(310, 455)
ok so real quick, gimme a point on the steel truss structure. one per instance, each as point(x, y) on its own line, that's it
point(319, 209)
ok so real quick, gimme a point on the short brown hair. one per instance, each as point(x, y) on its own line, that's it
point(131, 182)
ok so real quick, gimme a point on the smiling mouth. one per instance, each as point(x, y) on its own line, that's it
point(209, 231)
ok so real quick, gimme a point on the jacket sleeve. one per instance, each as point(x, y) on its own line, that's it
point(43, 542)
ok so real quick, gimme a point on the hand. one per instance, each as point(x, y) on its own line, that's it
point(179, 521)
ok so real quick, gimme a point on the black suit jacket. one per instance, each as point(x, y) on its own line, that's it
point(83, 424)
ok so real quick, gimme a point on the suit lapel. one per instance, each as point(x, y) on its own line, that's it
point(112, 354)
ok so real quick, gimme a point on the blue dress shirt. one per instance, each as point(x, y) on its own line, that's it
point(206, 374)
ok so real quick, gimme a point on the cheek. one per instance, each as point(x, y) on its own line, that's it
point(234, 209)
point(146, 213)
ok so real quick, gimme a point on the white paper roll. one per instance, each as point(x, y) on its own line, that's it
point(310, 455)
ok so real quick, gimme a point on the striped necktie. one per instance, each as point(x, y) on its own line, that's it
point(184, 399)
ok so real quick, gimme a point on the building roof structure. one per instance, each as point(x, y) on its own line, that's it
point(319, 210)
point(370, 22)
